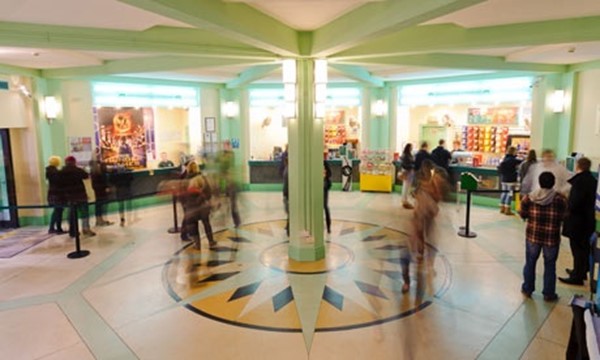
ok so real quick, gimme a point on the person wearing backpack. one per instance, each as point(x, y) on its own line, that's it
point(198, 208)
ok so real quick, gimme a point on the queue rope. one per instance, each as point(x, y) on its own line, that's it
point(465, 231)
point(74, 218)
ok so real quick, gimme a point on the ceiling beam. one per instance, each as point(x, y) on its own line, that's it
point(359, 74)
point(18, 70)
point(160, 39)
point(240, 22)
point(377, 19)
point(456, 61)
point(251, 75)
point(449, 37)
point(144, 65)
point(590, 65)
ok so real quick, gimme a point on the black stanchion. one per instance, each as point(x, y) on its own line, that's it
point(466, 231)
point(175, 228)
point(74, 221)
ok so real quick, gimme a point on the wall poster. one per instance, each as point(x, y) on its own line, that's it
point(508, 115)
point(81, 149)
point(122, 135)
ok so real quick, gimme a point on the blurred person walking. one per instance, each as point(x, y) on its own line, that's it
point(122, 179)
point(72, 176)
point(548, 164)
point(580, 223)
point(226, 162)
point(101, 188)
point(508, 178)
point(431, 188)
point(544, 210)
point(198, 206)
point(407, 163)
point(56, 195)
point(326, 188)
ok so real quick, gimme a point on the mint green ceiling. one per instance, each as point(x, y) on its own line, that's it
point(227, 33)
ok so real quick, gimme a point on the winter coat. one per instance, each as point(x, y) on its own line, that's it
point(581, 218)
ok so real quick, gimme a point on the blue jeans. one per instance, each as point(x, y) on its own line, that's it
point(506, 197)
point(532, 253)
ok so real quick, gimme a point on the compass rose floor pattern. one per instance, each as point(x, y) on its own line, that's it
point(142, 294)
point(249, 281)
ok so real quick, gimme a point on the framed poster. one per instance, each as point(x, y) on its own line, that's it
point(81, 149)
point(210, 124)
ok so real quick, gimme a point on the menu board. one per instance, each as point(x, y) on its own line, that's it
point(488, 139)
point(507, 115)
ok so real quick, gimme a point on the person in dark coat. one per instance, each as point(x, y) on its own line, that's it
point(580, 223)
point(122, 180)
point(101, 188)
point(326, 188)
point(508, 178)
point(422, 155)
point(72, 178)
point(56, 195)
point(440, 156)
point(407, 162)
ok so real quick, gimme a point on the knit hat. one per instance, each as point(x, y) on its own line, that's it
point(70, 160)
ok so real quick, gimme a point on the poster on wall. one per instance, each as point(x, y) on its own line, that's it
point(508, 115)
point(122, 135)
point(81, 149)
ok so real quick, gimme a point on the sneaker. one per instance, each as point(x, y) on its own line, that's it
point(88, 233)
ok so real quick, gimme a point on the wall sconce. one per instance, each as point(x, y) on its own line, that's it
point(289, 88)
point(230, 109)
point(379, 108)
point(320, 87)
point(51, 108)
point(557, 101)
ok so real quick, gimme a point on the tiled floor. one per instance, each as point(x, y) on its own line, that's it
point(115, 303)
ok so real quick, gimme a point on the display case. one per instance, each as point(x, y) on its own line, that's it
point(376, 171)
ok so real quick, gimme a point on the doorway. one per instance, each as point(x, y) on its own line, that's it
point(8, 217)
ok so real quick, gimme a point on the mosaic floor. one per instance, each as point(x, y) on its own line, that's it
point(143, 294)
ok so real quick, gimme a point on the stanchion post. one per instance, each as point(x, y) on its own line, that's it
point(78, 253)
point(466, 231)
point(175, 228)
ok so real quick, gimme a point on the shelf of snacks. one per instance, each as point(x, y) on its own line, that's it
point(489, 141)
point(335, 135)
point(376, 171)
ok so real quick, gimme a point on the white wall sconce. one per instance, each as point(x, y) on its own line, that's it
point(289, 88)
point(51, 108)
point(557, 101)
point(321, 79)
point(230, 109)
point(379, 108)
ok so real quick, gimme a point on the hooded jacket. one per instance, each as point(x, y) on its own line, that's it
point(544, 210)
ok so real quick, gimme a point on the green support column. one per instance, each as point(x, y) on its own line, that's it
point(552, 130)
point(379, 127)
point(306, 172)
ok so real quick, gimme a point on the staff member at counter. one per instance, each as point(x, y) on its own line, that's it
point(164, 161)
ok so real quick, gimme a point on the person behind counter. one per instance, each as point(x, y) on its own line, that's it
point(422, 155)
point(164, 161)
point(508, 178)
point(440, 156)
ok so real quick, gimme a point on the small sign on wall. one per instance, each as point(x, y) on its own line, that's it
point(210, 124)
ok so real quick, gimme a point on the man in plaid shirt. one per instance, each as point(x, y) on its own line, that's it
point(544, 210)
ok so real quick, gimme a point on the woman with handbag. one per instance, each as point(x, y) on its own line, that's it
point(407, 164)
